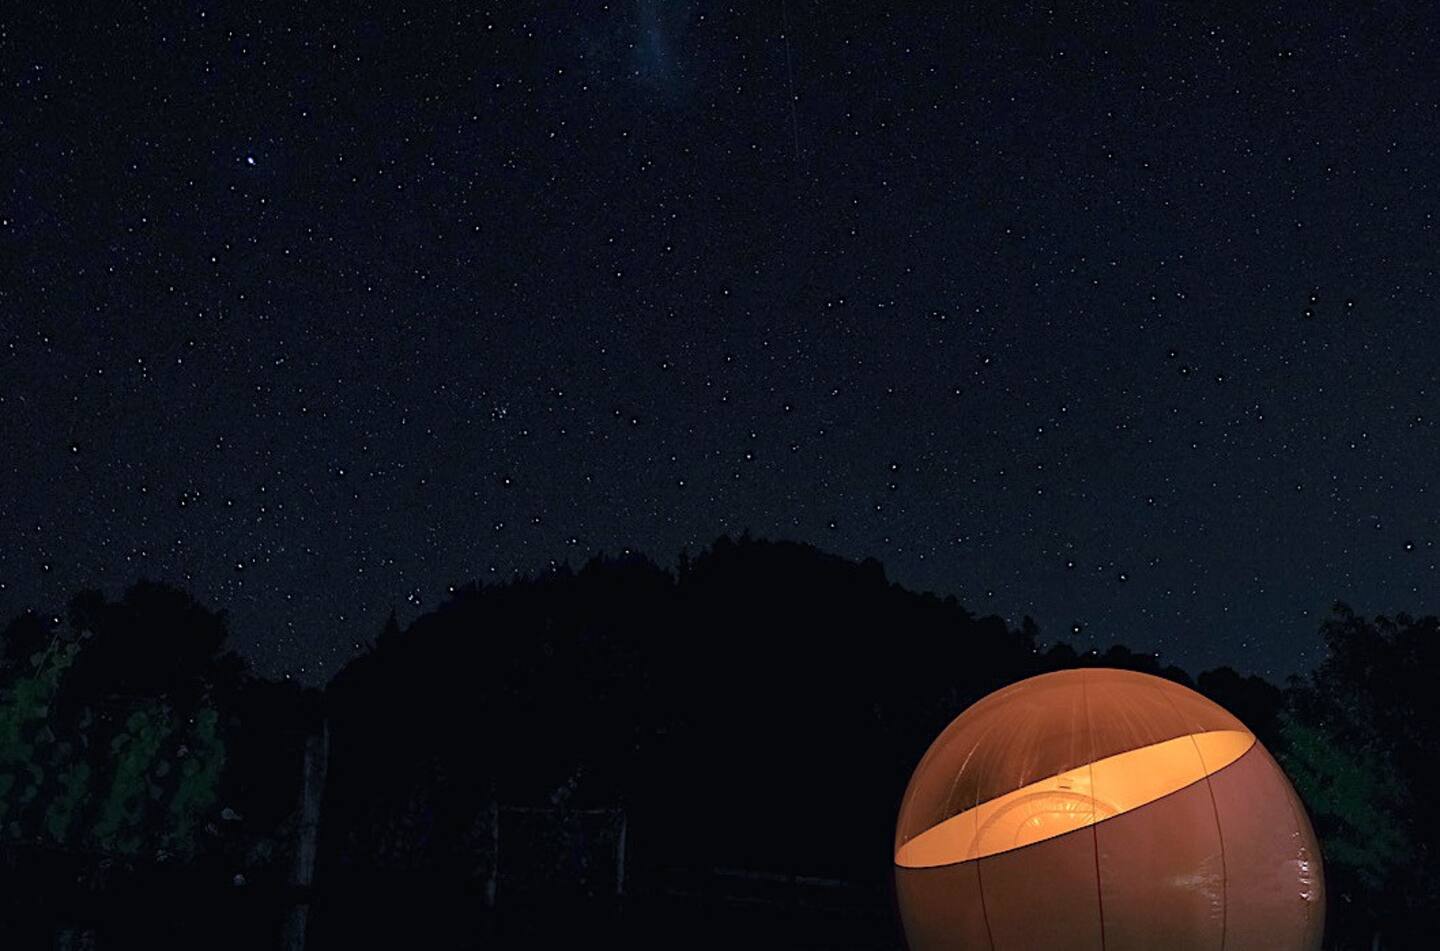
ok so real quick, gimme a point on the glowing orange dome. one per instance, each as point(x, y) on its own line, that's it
point(1104, 809)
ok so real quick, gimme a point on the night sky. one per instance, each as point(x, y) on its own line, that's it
point(1122, 316)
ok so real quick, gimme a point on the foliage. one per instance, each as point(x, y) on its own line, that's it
point(118, 757)
point(195, 794)
point(1355, 799)
point(27, 743)
point(1357, 741)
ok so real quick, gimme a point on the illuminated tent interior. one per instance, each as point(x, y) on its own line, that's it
point(1098, 808)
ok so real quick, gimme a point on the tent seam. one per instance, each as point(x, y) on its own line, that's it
point(1219, 829)
point(1094, 832)
point(984, 912)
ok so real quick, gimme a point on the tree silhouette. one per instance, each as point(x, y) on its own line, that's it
point(1358, 739)
point(120, 739)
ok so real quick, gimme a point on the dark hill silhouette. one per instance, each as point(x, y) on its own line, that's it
point(760, 708)
point(766, 680)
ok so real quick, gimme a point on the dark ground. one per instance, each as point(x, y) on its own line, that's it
point(718, 913)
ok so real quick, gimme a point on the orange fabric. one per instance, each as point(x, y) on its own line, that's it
point(1104, 809)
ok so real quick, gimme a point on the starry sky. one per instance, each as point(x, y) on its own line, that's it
point(1117, 315)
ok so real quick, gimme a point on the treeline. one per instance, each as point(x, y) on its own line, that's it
point(759, 708)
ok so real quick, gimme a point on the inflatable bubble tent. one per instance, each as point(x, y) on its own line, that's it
point(1104, 809)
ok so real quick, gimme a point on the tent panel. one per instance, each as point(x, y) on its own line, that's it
point(941, 908)
point(1272, 891)
point(1045, 895)
point(1013, 737)
point(1161, 875)
point(1127, 711)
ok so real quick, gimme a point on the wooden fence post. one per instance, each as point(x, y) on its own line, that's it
point(302, 870)
point(620, 858)
point(494, 880)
